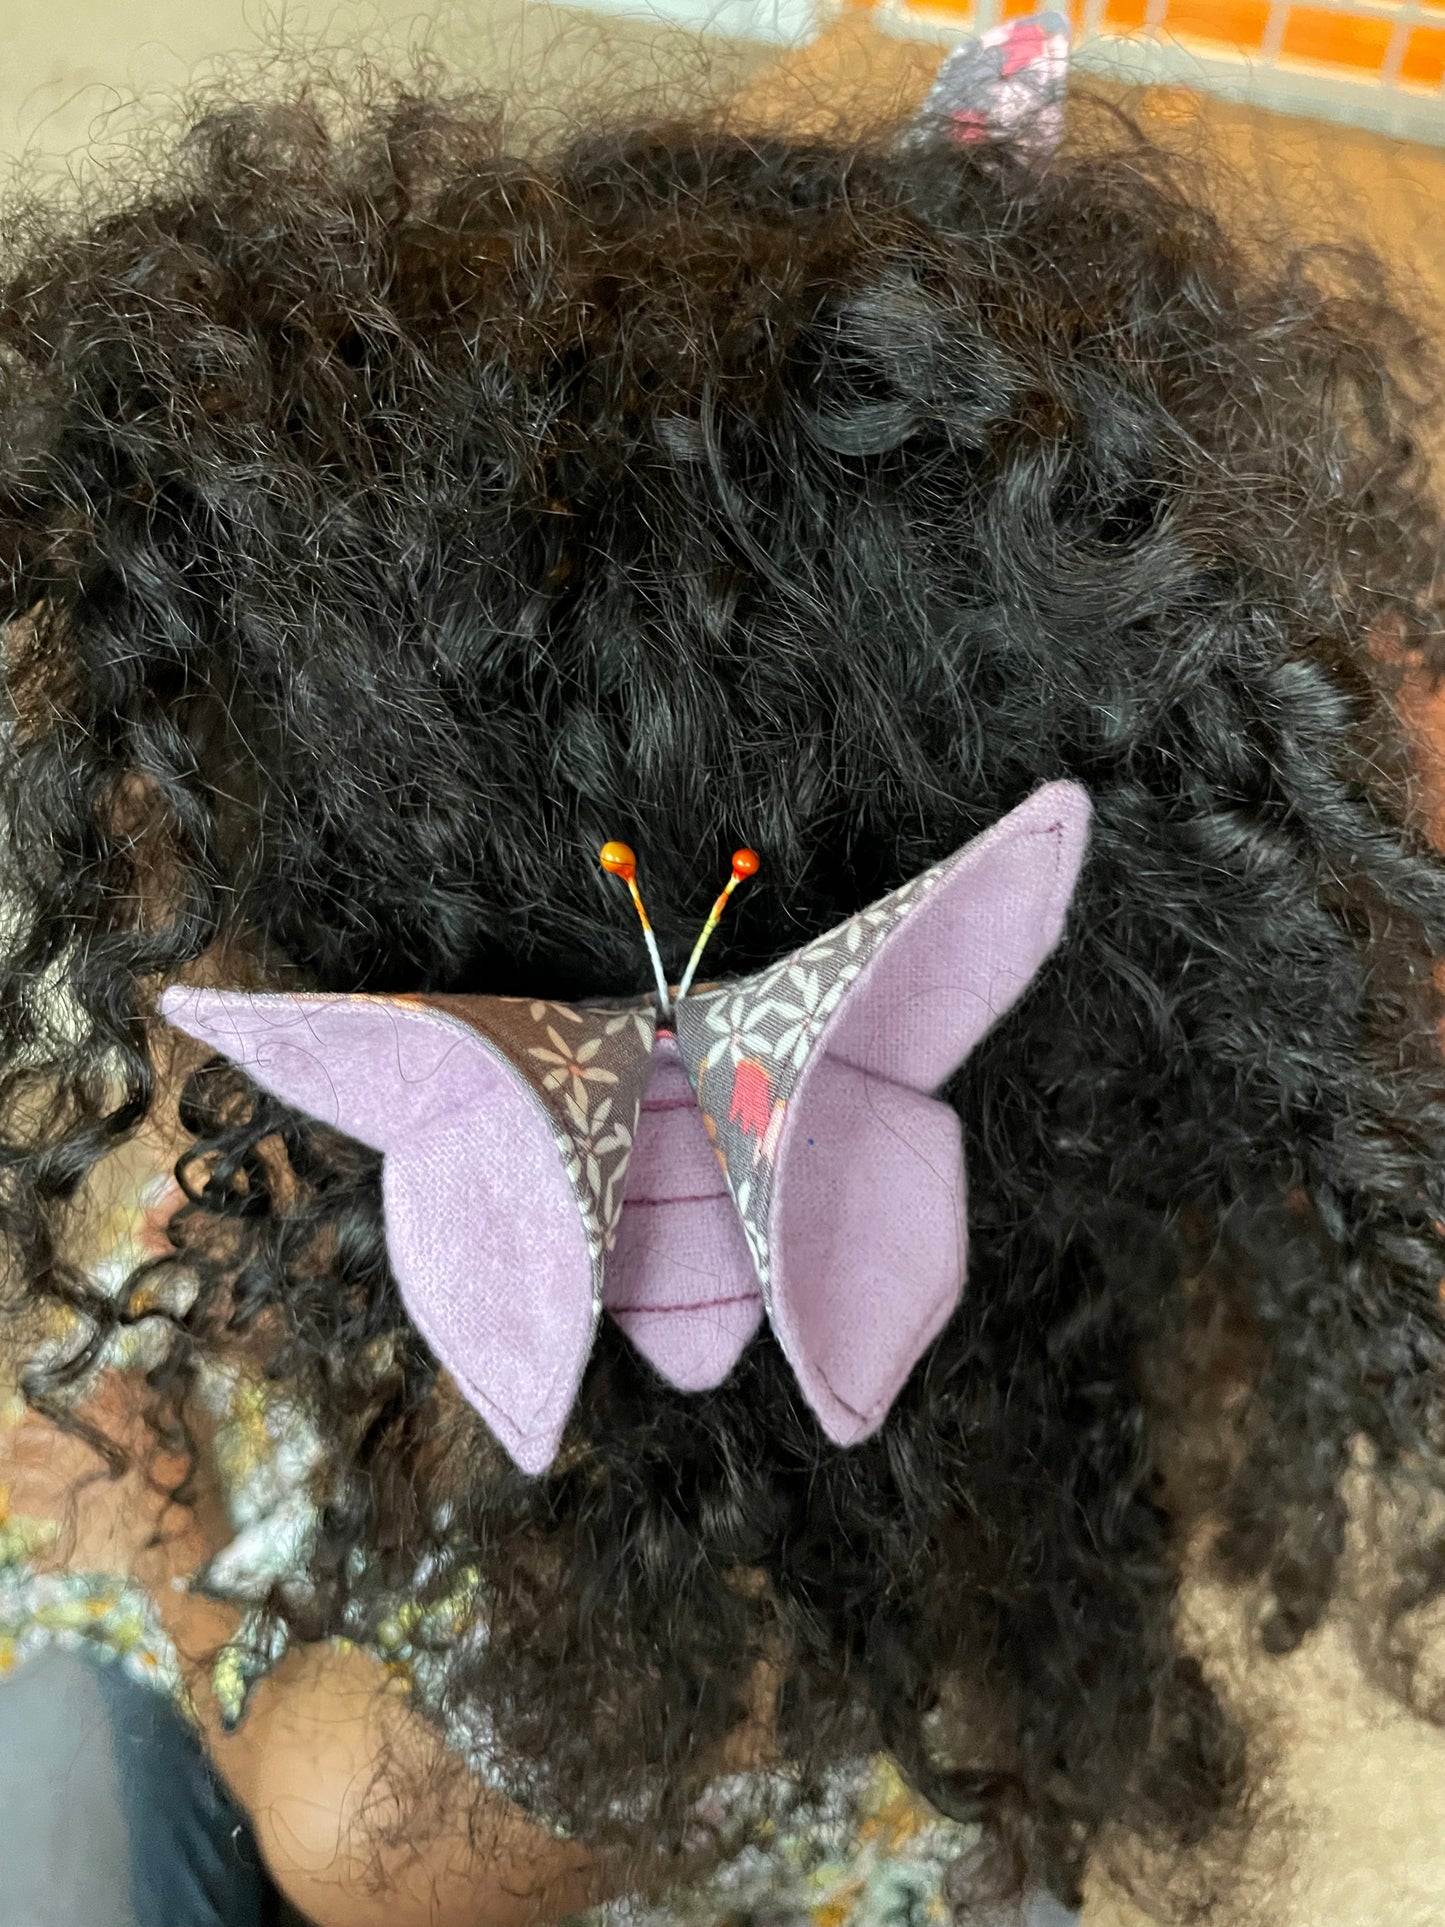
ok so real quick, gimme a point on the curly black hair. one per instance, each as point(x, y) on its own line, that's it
point(389, 516)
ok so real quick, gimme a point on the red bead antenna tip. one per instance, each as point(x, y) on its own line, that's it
point(746, 863)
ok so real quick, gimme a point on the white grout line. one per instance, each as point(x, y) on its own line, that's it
point(1407, 17)
point(1279, 11)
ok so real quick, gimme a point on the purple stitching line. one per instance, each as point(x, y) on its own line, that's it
point(702, 1197)
point(706, 1304)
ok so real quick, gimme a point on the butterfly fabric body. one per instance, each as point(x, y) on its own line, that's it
point(775, 1149)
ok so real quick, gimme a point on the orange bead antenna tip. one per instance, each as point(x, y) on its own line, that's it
point(619, 861)
point(746, 863)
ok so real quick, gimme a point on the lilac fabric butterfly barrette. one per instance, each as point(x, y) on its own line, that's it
point(765, 1148)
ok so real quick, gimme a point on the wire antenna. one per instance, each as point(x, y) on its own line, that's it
point(618, 861)
point(746, 863)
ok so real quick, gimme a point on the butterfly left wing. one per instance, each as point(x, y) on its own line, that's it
point(505, 1129)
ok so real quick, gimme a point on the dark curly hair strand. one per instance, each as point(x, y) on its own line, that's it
point(387, 518)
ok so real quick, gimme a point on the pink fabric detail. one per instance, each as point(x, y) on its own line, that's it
point(773, 1136)
point(749, 1108)
point(1022, 44)
point(970, 125)
point(680, 1281)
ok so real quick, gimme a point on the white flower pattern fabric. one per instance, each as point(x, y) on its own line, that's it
point(759, 1035)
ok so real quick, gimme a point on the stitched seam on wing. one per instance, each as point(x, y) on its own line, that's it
point(702, 1197)
point(703, 1304)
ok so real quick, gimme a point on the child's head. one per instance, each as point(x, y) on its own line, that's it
point(388, 520)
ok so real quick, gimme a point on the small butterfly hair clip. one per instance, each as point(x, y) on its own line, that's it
point(770, 1148)
point(1007, 82)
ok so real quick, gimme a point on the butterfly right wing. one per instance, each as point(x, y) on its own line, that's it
point(819, 1077)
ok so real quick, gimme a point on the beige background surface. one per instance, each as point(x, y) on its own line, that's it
point(80, 74)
